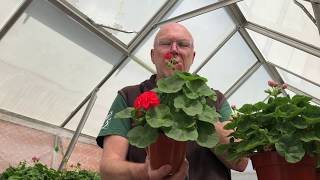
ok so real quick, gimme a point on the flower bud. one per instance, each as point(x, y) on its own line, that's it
point(273, 83)
point(284, 86)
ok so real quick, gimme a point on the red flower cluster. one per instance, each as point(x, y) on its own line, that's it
point(168, 56)
point(146, 100)
point(170, 60)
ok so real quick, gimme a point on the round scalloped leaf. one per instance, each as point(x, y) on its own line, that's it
point(126, 113)
point(290, 148)
point(159, 116)
point(190, 107)
point(190, 94)
point(199, 87)
point(190, 77)
point(142, 136)
point(181, 134)
point(207, 136)
point(182, 120)
point(170, 84)
point(209, 114)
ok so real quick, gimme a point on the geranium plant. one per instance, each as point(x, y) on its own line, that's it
point(287, 125)
point(37, 170)
point(178, 107)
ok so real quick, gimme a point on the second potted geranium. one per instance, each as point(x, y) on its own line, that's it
point(167, 117)
point(281, 136)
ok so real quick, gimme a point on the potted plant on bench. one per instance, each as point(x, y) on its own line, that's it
point(281, 136)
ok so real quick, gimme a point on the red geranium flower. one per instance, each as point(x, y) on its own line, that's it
point(168, 56)
point(146, 100)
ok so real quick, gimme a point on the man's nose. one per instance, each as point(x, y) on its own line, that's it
point(174, 47)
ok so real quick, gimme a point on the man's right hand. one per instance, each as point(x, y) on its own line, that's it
point(163, 171)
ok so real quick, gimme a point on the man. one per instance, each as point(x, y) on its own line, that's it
point(122, 161)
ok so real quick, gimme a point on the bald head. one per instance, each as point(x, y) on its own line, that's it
point(172, 29)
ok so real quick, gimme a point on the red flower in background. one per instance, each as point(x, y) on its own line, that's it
point(168, 56)
point(35, 159)
point(146, 100)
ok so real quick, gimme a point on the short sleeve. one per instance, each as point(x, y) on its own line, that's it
point(113, 126)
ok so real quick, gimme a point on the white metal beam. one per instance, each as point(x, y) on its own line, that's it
point(308, 48)
point(199, 11)
point(86, 22)
point(15, 16)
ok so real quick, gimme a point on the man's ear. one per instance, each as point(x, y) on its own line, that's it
point(152, 55)
point(194, 55)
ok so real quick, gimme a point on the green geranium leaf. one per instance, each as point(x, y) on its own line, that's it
point(290, 110)
point(159, 116)
point(182, 120)
point(213, 97)
point(312, 111)
point(290, 148)
point(199, 87)
point(181, 134)
point(286, 128)
point(260, 106)
point(209, 114)
point(251, 143)
point(170, 84)
point(207, 135)
point(312, 120)
point(126, 113)
point(190, 94)
point(190, 77)
point(299, 122)
point(190, 107)
point(301, 100)
point(230, 126)
point(247, 109)
point(142, 136)
point(308, 136)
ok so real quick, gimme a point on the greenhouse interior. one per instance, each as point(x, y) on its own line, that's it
point(63, 62)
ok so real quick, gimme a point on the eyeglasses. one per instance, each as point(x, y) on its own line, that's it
point(167, 43)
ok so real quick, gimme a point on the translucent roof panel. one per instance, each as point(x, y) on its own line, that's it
point(7, 9)
point(230, 66)
point(182, 7)
point(300, 84)
point(49, 64)
point(218, 25)
point(282, 16)
point(124, 15)
point(289, 58)
point(252, 90)
point(107, 94)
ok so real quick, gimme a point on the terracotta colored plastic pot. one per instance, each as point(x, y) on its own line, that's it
point(272, 166)
point(318, 174)
point(167, 151)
